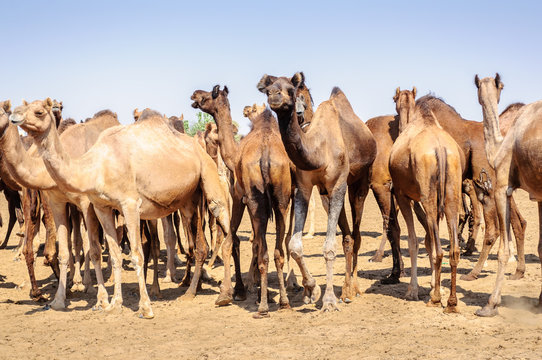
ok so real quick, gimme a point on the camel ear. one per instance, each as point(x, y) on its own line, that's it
point(214, 93)
point(48, 103)
point(498, 82)
point(182, 117)
point(477, 81)
point(264, 82)
point(414, 91)
point(396, 96)
point(246, 110)
point(7, 105)
point(226, 90)
point(25, 103)
point(298, 79)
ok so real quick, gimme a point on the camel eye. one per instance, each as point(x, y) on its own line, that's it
point(202, 101)
point(39, 113)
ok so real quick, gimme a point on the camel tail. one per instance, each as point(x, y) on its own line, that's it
point(265, 164)
point(442, 164)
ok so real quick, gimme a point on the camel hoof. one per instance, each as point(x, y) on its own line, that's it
point(145, 313)
point(188, 296)
point(412, 294)
point(57, 305)
point(487, 311)
point(469, 277)
point(376, 258)
point(113, 308)
point(330, 306)
point(97, 308)
point(225, 297)
point(155, 293)
point(316, 292)
point(347, 300)
point(240, 295)
point(451, 310)
point(390, 280)
point(432, 303)
point(260, 315)
point(285, 306)
point(517, 275)
point(78, 287)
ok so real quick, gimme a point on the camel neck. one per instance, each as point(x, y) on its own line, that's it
point(60, 166)
point(492, 133)
point(228, 145)
point(297, 143)
point(29, 171)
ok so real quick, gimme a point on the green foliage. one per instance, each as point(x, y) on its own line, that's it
point(199, 125)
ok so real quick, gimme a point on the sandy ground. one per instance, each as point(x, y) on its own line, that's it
point(378, 324)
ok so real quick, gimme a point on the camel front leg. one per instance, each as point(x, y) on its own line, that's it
point(105, 216)
point(130, 210)
point(78, 244)
point(202, 249)
point(31, 216)
point(49, 252)
point(238, 208)
point(518, 226)
point(503, 212)
point(61, 221)
point(312, 291)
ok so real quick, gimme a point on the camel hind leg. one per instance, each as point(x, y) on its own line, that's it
point(451, 219)
point(406, 210)
point(519, 225)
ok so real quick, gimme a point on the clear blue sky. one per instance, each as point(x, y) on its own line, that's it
point(121, 55)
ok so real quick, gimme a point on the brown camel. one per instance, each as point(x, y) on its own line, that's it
point(341, 158)
point(120, 173)
point(426, 165)
point(14, 210)
point(263, 183)
point(469, 135)
point(517, 161)
point(30, 171)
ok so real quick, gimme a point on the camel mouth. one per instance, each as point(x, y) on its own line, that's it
point(16, 119)
point(195, 105)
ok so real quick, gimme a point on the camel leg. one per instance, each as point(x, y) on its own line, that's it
point(503, 212)
point(169, 238)
point(422, 218)
point(336, 206)
point(430, 206)
point(406, 210)
point(291, 279)
point(280, 216)
point(31, 216)
point(518, 226)
point(310, 215)
point(382, 194)
point(540, 246)
point(357, 194)
point(201, 252)
point(218, 242)
point(476, 220)
point(107, 221)
point(394, 237)
point(78, 244)
point(146, 246)
point(151, 248)
point(238, 207)
point(95, 254)
point(130, 210)
point(177, 223)
point(451, 219)
point(312, 291)
point(50, 252)
point(61, 222)
point(14, 202)
point(490, 236)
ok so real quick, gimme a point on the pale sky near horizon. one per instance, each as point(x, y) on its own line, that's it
point(121, 55)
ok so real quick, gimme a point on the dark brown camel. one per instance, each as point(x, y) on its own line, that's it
point(14, 210)
point(262, 172)
point(334, 150)
point(426, 166)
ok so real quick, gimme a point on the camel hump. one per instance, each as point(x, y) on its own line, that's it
point(149, 113)
point(106, 112)
point(336, 91)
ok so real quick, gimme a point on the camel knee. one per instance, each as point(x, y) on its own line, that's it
point(296, 250)
point(348, 244)
point(329, 251)
point(263, 263)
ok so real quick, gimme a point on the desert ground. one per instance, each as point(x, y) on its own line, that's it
point(378, 324)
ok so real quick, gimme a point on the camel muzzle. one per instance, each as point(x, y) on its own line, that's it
point(16, 119)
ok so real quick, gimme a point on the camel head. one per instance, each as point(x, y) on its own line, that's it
point(405, 103)
point(489, 91)
point(136, 114)
point(5, 111)
point(281, 91)
point(211, 101)
point(57, 111)
point(35, 118)
point(211, 139)
point(300, 107)
point(252, 111)
point(177, 123)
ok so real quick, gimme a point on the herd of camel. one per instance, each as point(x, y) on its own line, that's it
point(121, 178)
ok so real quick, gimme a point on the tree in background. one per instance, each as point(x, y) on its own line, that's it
point(199, 125)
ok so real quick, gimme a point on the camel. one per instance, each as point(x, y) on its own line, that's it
point(262, 182)
point(341, 159)
point(118, 172)
point(30, 171)
point(14, 210)
point(426, 165)
point(469, 136)
point(517, 161)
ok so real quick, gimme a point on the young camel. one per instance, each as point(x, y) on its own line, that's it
point(517, 161)
point(120, 172)
point(263, 182)
point(30, 172)
point(333, 151)
point(426, 165)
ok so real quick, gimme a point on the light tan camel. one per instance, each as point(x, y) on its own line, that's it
point(141, 179)
point(517, 161)
point(263, 183)
point(30, 172)
point(333, 150)
point(426, 165)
